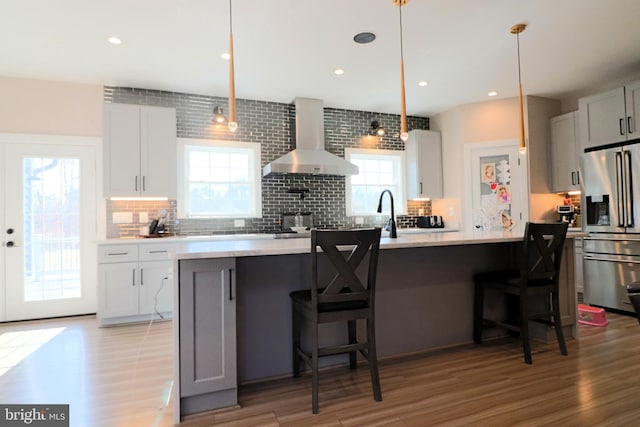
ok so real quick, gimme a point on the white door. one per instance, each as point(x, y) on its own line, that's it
point(496, 185)
point(49, 207)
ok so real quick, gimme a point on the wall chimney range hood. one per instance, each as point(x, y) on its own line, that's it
point(309, 156)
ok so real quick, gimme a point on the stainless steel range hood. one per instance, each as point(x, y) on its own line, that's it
point(309, 156)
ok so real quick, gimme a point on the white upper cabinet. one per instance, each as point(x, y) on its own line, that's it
point(632, 97)
point(609, 117)
point(565, 175)
point(423, 151)
point(139, 151)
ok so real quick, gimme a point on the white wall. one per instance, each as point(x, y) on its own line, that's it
point(497, 120)
point(50, 108)
point(477, 122)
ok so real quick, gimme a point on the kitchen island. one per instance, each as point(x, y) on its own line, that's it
point(233, 314)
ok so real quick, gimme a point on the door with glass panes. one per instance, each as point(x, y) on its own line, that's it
point(48, 217)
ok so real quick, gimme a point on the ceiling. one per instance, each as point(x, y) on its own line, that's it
point(289, 48)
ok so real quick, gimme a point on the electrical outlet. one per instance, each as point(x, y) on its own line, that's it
point(238, 223)
point(143, 217)
point(122, 218)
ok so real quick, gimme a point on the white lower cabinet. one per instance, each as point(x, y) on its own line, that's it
point(135, 283)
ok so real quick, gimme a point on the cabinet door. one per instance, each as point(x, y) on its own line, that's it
point(424, 164)
point(158, 152)
point(156, 287)
point(207, 326)
point(121, 150)
point(602, 118)
point(565, 174)
point(632, 97)
point(118, 289)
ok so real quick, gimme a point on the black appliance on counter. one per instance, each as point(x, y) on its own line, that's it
point(430, 221)
point(567, 214)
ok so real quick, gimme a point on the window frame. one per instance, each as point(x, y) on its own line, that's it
point(255, 171)
point(399, 195)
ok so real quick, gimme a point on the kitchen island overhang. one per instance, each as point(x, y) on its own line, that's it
point(424, 299)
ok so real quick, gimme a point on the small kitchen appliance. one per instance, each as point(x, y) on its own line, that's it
point(567, 214)
point(430, 221)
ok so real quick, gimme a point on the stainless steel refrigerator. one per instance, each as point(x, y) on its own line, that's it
point(610, 201)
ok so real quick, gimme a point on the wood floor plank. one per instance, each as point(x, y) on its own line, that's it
point(121, 376)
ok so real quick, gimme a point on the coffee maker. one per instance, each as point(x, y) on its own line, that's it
point(567, 213)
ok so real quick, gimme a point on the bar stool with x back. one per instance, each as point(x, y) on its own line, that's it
point(538, 274)
point(343, 298)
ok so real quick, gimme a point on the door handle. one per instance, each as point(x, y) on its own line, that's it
point(421, 188)
point(230, 284)
point(136, 182)
point(630, 128)
point(619, 261)
point(133, 277)
point(628, 197)
point(573, 178)
point(144, 183)
point(619, 191)
point(141, 276)
point(621, 126)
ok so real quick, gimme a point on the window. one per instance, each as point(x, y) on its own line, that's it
point(220, 179)
point(379, 170)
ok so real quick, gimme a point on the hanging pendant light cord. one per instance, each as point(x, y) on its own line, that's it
point(401, 44)
point(232, 123)
point(230, 19)
point(519, 75)
point(517, 29)
point(403, 103)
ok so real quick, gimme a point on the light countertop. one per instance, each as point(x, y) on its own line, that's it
point(194, 249)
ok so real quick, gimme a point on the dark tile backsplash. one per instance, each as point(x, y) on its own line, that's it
point(272, 125)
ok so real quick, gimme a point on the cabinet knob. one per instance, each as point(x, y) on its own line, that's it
point(9, 244)
point(9, 230)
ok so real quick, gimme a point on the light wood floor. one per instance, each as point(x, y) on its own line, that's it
point(121, 376)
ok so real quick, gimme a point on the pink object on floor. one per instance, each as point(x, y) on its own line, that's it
point(593, 316)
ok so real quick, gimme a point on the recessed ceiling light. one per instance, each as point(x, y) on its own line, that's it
point(492, 93)
point(422, 83)
point(225, 55)
point(114, 40)
point(364, 37)
point(338, 71)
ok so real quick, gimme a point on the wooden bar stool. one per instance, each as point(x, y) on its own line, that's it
point(345, 298)
point(538, 274)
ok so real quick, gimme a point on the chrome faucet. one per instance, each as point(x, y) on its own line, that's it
point(391, 225)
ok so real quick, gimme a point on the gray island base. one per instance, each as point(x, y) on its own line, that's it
point(234, 311)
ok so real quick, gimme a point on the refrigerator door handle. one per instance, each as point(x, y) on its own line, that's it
point(628, 196)
point(619, 191)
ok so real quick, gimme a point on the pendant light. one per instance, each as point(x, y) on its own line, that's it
point(404, 134)
point(517, 29)
point(232, 123)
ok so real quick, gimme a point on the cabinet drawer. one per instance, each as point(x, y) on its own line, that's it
point(153, 252)
point(117, 253)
